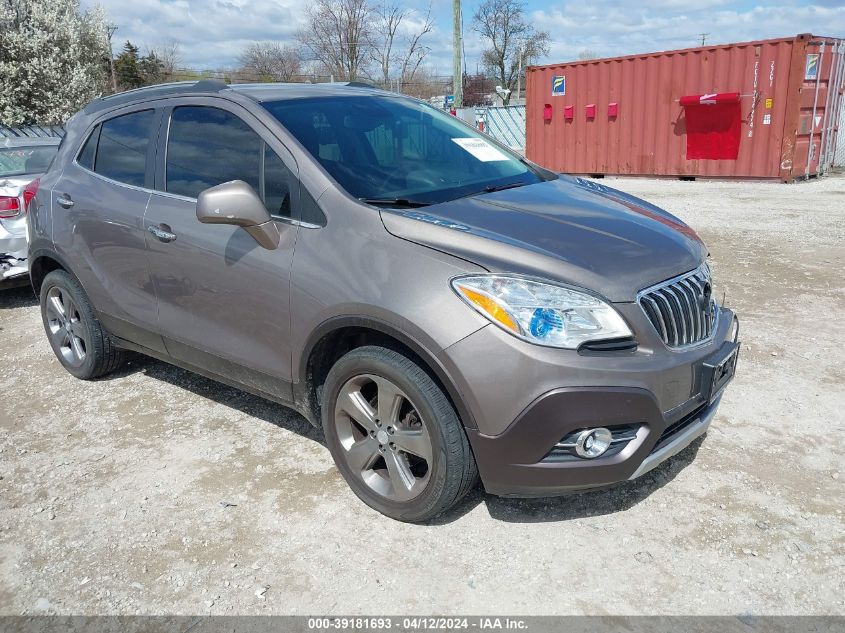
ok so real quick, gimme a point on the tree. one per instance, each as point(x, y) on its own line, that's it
point(385, 24)
point(53, 59)
point(477, 89)
point(151, 69)
point(415, 52)
point(586, 54)
point(271, 61)
point(127, 69)
point(170, 56)
point(512, 41)
point(337, 34)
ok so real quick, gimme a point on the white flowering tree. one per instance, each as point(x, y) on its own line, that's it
point(53, 59)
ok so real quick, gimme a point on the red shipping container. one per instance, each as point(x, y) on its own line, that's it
point(779, 128)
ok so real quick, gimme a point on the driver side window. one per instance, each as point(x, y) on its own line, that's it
point(208, 146)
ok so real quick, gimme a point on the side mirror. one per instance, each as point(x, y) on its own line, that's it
point(236, 203)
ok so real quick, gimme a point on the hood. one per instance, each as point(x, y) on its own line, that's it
point(571, 230)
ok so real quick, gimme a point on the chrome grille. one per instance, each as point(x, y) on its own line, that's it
point(682, 310)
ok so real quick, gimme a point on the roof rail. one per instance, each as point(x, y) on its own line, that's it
point(173, 88)
point(351, 84)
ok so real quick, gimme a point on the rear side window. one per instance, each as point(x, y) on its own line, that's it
point(89, 150)
point(207, 146)
point(122, 148)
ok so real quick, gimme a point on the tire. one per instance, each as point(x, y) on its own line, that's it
point(79, 341)
point(419, 412)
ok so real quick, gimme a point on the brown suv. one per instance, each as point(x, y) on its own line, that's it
point(439, 305)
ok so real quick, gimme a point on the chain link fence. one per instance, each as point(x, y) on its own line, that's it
point(506, 124)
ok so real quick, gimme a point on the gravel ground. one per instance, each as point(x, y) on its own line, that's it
point(156, 491)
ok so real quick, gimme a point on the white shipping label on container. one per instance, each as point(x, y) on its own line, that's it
point(481, 149)
point(767, 119)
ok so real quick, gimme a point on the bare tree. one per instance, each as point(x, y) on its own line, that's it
point(586, 54)
point(271, 61)
point(170, 56)
point(388, 51)
point(337, 33)
point(512, 41)
point(383, 29)
point(415, 51)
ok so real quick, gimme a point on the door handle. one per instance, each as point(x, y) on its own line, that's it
point(162, 232)
point(64, 201)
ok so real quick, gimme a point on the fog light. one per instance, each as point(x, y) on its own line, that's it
point(593, 442)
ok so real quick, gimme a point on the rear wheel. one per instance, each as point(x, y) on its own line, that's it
point(394, 435)
point(78, 339)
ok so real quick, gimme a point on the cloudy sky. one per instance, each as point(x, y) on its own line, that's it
point(212, 32)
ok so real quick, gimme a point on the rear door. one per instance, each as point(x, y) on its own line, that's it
point(98, 221)
point(224, 301)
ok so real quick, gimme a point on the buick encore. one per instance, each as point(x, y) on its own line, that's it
point(443, 308)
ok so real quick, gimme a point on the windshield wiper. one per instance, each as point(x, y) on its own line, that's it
point(492, 188)
point(513, 185)
point(396, 202)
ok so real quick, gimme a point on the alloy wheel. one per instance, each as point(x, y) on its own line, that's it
point(384, 439)
point(67, 330)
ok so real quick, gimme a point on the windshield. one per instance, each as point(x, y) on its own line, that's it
point(384, 149)
point(17, 161)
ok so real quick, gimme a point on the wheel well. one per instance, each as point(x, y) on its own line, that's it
point(40, 268)
point(329, 349)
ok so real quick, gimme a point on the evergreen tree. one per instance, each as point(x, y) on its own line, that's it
point(151, 69)
point(126, 68)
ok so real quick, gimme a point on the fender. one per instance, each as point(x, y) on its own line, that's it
point(34, 254)
point(339, 322)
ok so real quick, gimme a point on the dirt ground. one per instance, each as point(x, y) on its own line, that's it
point(157, 491)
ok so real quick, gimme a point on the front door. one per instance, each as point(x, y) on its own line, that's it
point(223, 300)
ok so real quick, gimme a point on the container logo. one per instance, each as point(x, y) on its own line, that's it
point(812, 69)
point(558, 86)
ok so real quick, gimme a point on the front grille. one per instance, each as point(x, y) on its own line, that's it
point(682, 310)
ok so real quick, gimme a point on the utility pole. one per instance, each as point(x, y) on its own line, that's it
point(458, 75)
point(518, 72)
point(703, 37)
point(110, 29)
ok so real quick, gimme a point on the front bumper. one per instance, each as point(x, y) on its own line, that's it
point(661, 398)
point(696, 428)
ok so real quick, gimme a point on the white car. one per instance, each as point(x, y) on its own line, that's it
point(22, 160)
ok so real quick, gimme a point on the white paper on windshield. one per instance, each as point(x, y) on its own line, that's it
point(481, 149)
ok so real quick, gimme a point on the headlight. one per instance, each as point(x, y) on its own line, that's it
point(540, 312)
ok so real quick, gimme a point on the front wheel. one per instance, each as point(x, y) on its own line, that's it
point(394, 435)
